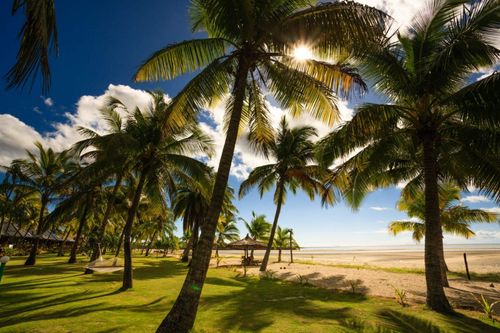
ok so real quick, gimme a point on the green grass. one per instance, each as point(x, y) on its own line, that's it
point(55, 297)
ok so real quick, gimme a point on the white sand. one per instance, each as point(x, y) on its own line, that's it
point(320, 271)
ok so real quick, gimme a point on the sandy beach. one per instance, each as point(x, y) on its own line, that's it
point(374, 272)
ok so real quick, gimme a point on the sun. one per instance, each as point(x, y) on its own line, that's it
point(302, 52)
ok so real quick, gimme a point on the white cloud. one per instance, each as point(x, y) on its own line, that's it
point(48, 101)
point(475, 199)
point(245, 158)
point(487, 234)
point(379, 209)
point(494, 210)
point(402, 11)
point(16, 136)
point(65, 133)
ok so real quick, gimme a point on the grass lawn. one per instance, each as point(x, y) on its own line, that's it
point(56, 297)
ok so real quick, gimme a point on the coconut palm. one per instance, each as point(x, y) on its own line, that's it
point(43, 173)
point(227, 231)
point(38, 37)
point(455, 218)
point(158, 147)
point(282, 241)
point(433, 116)
point(293, 153)
point(191, 202)
point(258, 227)
point(249, 49)
point(108, 160)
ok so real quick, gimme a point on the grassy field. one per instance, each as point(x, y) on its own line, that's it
point(55, 297)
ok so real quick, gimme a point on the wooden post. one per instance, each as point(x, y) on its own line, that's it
point(466, 266)
point(291, 247)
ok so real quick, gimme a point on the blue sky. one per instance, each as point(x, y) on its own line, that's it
point(102, 43)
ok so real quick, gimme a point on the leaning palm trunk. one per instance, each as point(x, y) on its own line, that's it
point(34, 247)
point(119, 245)
point(263, 266)
point(127, 230)
point(60, 252)
point(181, 317)
point(444, 270)
point(185, 253)
point(151, 243)
point(436, 298)
point(74, 248)
point(104, 222)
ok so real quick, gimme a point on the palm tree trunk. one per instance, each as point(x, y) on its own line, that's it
point(127, 230)
point(444, 269)
point(119, 246)
point(436, 298)
point(279, 254)
point(83, 218)
point(263, 266)
point(181, 317)
point(185, 253)
point(31, 260)
point(1, 224)
point(104, 222)
point(60, 252)
point(151, 243)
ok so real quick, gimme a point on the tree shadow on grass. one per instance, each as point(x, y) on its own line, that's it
point(248, 308)
point(402, 322)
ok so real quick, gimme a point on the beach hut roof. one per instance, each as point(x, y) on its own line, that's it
point(246, 243)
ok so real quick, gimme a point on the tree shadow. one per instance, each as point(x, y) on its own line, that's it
point(402, 322)
point(242, 313)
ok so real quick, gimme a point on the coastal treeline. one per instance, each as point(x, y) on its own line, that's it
point(437, 125)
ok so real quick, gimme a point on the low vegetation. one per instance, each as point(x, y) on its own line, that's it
point(56, 297)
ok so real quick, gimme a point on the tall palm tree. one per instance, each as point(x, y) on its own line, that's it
point(191, 202)
point(455, 218)
point(43, 173)
point(108, 160)
point(159, 147)
point(227, 231)
point(293, 153)
point(258, 227)
point(432, 115)
point(38, 37)
point(282, 241)
point(249, 49)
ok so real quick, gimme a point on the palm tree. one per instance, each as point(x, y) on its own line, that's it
point(455, 218)
point(432, 116)
point(282, 241)
point(292, 151)
point(227, 231)
point(38, 36)
point(109, 160)
point(248, 49)
point(191, 203)
point(45, 174)
point(158, 147)
point(258, 228)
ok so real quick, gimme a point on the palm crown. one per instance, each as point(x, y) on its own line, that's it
point(456, 218)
